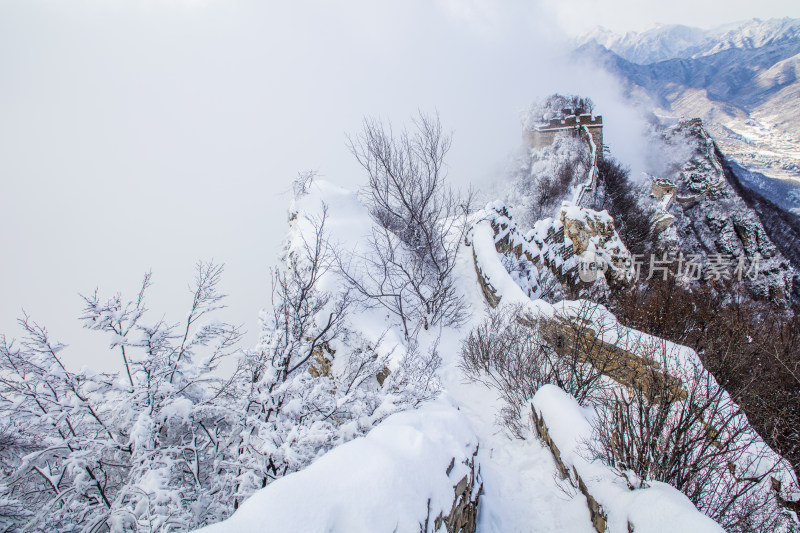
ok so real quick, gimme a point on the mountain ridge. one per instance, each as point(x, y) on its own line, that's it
point(668, 41)
point(741, 80)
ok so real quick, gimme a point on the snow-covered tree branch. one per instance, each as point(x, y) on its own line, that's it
point(422, 222)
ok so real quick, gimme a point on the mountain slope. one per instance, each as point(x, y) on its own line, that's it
point(712, 220)
point(742, 81)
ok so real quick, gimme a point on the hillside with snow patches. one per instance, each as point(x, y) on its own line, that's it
point(741, 79)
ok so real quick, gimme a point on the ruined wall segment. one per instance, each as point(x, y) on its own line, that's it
point(544, 133)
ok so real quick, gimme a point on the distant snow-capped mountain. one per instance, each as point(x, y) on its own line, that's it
point(671, 41)
point(742, 79)
point(656, 44)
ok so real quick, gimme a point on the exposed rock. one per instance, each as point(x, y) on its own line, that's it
point(463, 515)
point(713, 222)
point(598, 516)
point(555, 249)
point(382, 375)
point(593, 232)
point(321, 365)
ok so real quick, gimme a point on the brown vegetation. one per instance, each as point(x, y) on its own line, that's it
point(699, 443)
point(618, 196)
point(751, 348)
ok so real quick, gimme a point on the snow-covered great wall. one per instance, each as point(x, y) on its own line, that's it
point(448, 465)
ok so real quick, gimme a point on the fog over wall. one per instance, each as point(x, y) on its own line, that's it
point(139, 135)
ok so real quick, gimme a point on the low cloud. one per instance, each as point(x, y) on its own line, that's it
point(141, 135)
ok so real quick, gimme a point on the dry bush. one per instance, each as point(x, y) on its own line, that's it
point(509, 356)
point(751, 348)
point(516, 354)
point(700, 443)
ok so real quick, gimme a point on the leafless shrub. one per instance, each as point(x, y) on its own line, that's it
point(517, 354)
point(422, 222)
point(551, 290)
point(751, 348)
point(696, 439)
point(294, 326)
point(509, 356)
point(576, 337)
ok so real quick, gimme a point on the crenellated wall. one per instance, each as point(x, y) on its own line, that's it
point(543, 133)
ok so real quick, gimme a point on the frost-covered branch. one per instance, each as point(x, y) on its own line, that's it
point(408, 268)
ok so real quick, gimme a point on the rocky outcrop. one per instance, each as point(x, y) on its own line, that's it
point(592, 235)
point(555, 249)
point(712, 222)
point(463, 515)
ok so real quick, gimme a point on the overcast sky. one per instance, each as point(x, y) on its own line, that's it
point(141, 134)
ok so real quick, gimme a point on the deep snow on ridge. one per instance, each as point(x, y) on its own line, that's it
point(382, 482)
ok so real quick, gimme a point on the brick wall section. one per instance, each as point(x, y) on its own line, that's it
point(598, 516)
point(542, 134)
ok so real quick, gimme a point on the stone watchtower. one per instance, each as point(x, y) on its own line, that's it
point(543, 133)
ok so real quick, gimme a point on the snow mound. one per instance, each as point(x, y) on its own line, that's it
point(659, 508)
point(384, 482)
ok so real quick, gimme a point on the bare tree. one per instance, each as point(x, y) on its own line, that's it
point(297, 331)
point(313, 381)
point(304, 317)
point(84, 448)
point(507, 355)
point(422, 222)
